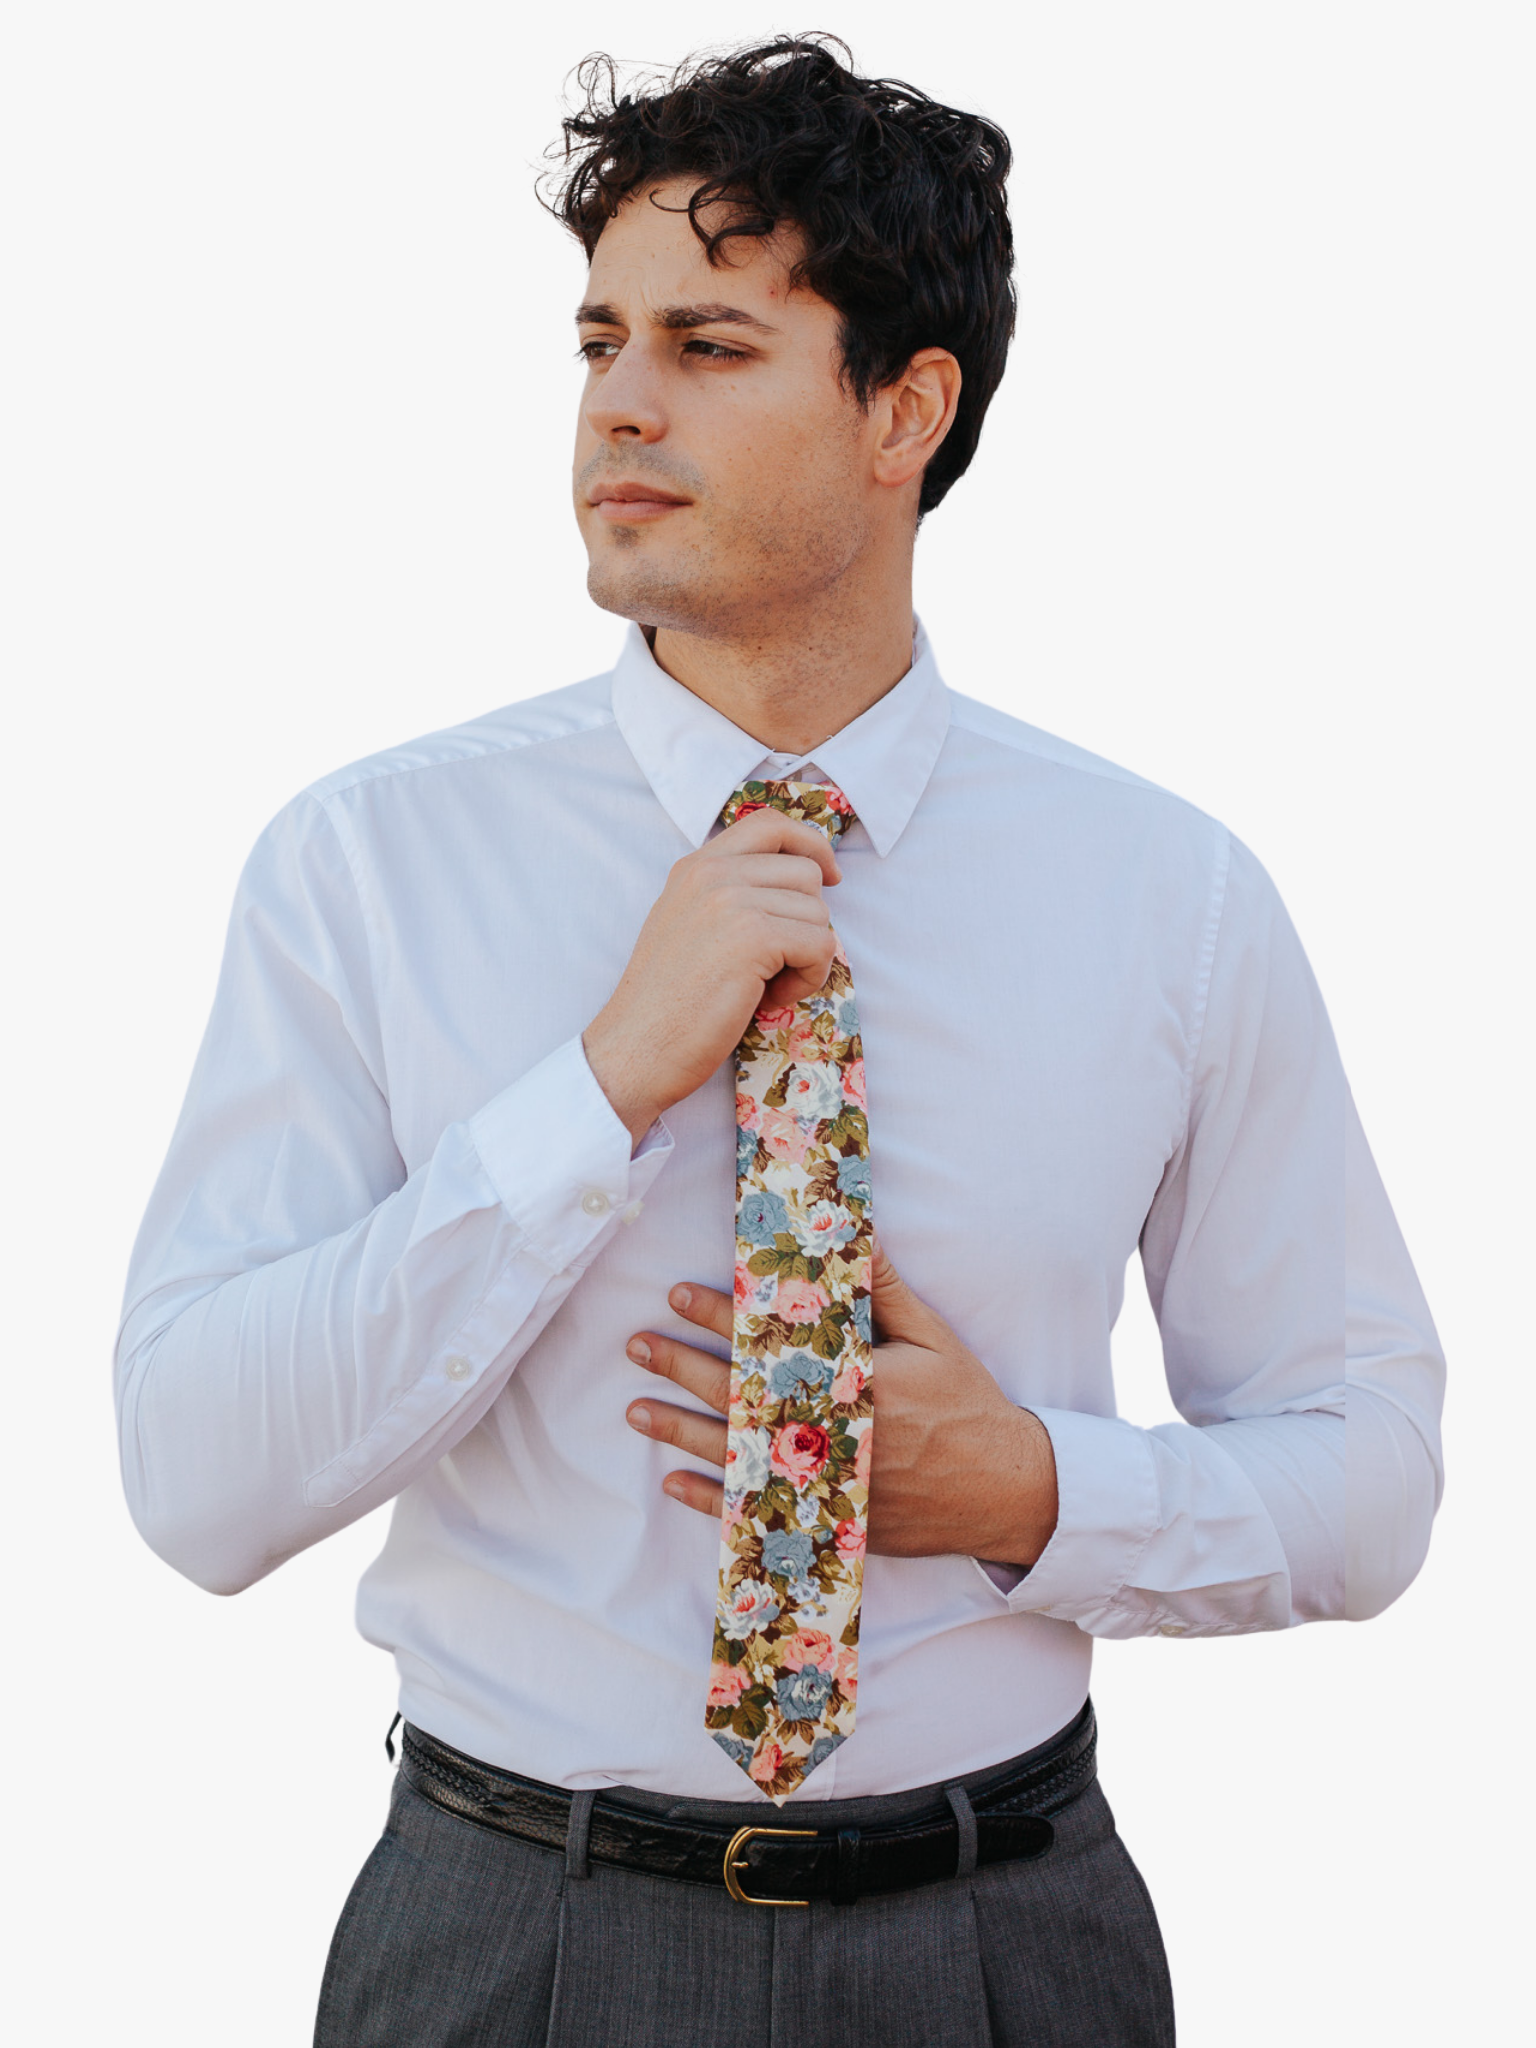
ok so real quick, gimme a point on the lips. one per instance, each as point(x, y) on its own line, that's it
point(628, 502)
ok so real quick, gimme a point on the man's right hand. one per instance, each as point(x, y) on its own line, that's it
point(742, 918)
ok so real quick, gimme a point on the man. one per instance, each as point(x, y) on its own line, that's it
point(743, 1598)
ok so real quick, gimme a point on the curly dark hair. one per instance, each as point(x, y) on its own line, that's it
point(898, 201)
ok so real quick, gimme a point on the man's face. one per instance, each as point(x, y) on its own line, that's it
point(722, 472)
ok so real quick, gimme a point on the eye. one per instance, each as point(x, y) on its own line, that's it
point(714, 351)
point(597, 350)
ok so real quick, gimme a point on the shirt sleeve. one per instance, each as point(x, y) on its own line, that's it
point(307, 1327)
point(1297, 1344)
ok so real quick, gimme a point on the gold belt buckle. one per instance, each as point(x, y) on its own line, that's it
point(732, 1864)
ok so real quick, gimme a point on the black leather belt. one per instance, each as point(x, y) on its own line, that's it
point(770, 1865)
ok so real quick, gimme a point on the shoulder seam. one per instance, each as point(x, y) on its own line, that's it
point(1205, 968)
point(356, 867)
point(1087, 764)
point(379, 767)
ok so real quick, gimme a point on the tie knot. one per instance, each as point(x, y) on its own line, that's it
point(816, 803)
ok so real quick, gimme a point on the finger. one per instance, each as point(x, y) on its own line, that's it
point(806, 953)
point(701, 1372)
point(792, 985)
point(695, 1491)
point(696, 1436)
point(769, 831)
point(793, 905)
point(774, 871)
point(705, 1306)
point(899, 1314)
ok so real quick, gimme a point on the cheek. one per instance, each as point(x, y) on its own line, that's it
point(797, 471)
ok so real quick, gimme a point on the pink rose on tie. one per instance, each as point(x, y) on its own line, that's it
point(727, 1683)
point(862, 1456)
point(800, 1451)
point(747, 1112)
point(849, 1384)
point(853, 1083)
point(838, 802)
point(810, 1646)
point(803, 1043)
point(849, 1540)
point(767, 1764)
point(746, 1287)
point(776, 1017)
point(784, 1137)
point(800, 1301)
point(847, 1673)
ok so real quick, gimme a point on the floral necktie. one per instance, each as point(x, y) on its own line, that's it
point(785, 1675)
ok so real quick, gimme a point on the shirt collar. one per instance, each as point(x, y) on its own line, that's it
point(694, 758)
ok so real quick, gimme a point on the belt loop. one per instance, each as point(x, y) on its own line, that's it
point(577, 1833)
point(965, 1821)
point(845, 1876)
point(389, 1739)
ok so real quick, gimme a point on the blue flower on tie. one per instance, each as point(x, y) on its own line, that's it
point(848, 1018)
point(737, 1750)
point(746, 1151)
point(787, 1553)
point(861, 1318)
point(853, 1179)
point(761, 1216)
point(821, 1749)
point(794, 1370)
point(803, 1694)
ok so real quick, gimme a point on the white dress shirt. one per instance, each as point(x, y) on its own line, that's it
point(400, 1240)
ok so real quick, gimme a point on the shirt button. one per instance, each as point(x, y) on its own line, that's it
point(1172, 1628)
point(457, 1368)
point(631, 1214)
point(595, 1202)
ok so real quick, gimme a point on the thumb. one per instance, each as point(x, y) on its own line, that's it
point(899, 1315)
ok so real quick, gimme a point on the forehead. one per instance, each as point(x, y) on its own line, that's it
point(649, 252)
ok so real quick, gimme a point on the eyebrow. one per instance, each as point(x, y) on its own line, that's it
point(600, 314)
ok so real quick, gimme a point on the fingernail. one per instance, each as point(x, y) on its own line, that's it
point(674, 1487)
point(681, 1299)
point(639, 1418)
point(639, 1350)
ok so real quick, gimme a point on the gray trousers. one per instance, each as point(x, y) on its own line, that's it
point(458, 1937)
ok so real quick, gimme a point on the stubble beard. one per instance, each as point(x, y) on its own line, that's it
point(624, 576)
point(777, 565)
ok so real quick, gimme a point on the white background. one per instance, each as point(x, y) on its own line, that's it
point(287, 396)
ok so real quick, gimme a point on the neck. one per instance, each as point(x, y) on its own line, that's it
point(797, 677)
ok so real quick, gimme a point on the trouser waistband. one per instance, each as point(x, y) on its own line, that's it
point(774, 1856)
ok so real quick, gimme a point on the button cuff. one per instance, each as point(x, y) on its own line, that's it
point(559, 1160)
point(1107, 1514)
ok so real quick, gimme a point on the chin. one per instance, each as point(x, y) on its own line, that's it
point(653, 594)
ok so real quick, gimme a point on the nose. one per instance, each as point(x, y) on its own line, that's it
point(624, 403)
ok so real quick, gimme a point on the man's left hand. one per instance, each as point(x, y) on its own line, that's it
point(957, 1469)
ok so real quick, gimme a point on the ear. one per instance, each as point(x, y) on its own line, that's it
point(914, 413)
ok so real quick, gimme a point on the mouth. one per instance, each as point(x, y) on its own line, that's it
point(633, 504)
